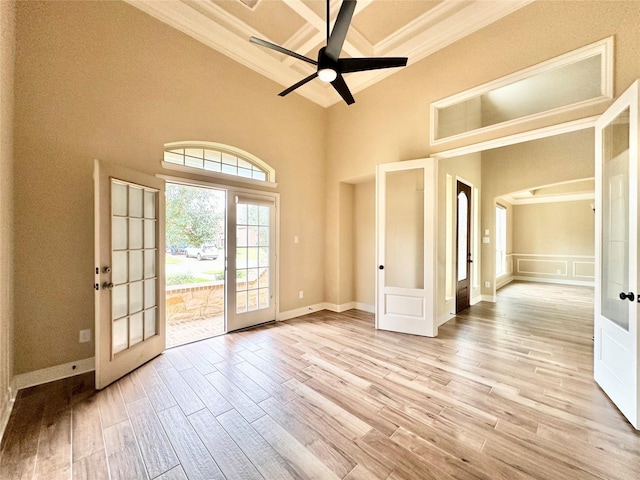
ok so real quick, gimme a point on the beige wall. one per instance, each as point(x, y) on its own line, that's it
point(539, 162)
point(104, 80)
point(554, 241)
point(7, 54)
point(390, 121)
point(364, 240)
point(554, 228)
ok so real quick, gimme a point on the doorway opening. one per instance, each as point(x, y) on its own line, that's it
point(195, 263)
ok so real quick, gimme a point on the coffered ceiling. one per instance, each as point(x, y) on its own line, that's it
point(404, 28)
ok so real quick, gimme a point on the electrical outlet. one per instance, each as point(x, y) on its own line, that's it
point(85, 335)
point(296, 239)
point(300, 294)
point(487, 284)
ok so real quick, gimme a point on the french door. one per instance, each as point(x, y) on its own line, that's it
point(251, 261)
point(616, 333)
point(129, 270)
point(406, 195)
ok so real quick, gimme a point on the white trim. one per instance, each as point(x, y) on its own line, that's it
point(365, 307)
point(476, 299)
point(332, 307)
point(339, 308)
point(505, 279)
point(58, 372)
point(559, 262)
point(550, 255)
point(489, 298)
point(584, 263)
point(537, 134)
point(218, 175)
point(603, 47)
point(559, 281)
point(444, 318)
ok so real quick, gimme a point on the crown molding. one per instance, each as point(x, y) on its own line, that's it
point(436, 29)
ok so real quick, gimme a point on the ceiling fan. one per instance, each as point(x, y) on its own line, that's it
point(330, 66)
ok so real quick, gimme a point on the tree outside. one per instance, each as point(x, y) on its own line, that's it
point(194, 216)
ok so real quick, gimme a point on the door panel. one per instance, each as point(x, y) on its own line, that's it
point(252, 269)
point(616, 307)
point(129, 270)
point(463, 246)
point(405, 217)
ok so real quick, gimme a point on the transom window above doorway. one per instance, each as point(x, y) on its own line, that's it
point(218, 160)
point(578, 79)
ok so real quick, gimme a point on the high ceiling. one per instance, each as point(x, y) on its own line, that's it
point(404, 28)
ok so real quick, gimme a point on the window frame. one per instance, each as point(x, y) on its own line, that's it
point(269, 171)
point(603, 48)
point(501, 241)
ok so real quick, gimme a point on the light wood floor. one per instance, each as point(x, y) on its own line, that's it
point(505, 392)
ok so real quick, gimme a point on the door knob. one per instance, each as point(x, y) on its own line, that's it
point(107, 286)
point(106, 269)
point(629, 296)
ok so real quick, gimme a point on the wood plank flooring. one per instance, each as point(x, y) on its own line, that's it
point(505, 391)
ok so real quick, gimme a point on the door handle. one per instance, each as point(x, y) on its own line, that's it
point(469, 261)
point(629, 296)
point(107, 286)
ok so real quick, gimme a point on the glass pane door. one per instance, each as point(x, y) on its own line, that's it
point(251, 296)
point(253, 257)
point(133, 259)
point(615, 220)
point(129, 270)
point(404, 216)
point(616, 335)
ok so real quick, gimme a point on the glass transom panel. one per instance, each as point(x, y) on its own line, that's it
point(215, 161)
point(134, 252)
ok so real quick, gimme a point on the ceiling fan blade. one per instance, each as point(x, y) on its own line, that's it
point(299, 84)
point(340, 28)
point(341, 87)
point(280, 49)
point(347, 65)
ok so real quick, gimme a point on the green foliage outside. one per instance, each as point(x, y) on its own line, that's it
point(194, 215)
point(184, 278)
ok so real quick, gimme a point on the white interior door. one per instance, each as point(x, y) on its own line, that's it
point(251, 262)
point(616, 306)
point(129, 270)
point(406, 196)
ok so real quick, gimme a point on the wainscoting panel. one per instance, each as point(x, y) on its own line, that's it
point(571, 269)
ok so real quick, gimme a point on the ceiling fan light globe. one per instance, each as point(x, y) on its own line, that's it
point(327, 75)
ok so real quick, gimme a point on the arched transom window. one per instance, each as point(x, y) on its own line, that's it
point(217, 160)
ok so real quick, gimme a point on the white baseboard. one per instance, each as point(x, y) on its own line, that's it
point(365, 307)
point(489, 298)
point(444, 318)
point(46, 375)
point(476, 299)
point(339, 308)
point(298, 312)
point(559, 281)
point(504, 281)
point(332, 307)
